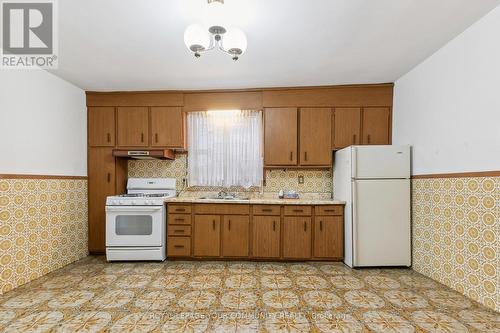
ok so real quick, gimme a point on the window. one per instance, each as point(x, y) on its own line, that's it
point(225, 148)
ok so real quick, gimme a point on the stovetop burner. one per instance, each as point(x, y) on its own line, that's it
point(157, 195)
point(130, 195)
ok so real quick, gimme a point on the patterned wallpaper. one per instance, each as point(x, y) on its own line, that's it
point(43, 226)
point(315, 181)
point(456, 234)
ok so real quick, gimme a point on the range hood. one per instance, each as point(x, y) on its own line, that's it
point(145, 154)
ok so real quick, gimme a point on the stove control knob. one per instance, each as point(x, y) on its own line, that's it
point(133, 202)
point(120, 202)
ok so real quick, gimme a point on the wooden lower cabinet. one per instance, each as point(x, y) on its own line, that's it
point(179, 246)
point(297, 237)
point(278, 232)
point(206, 241)
point(102, 182)
point(235, 236)
point(266, 236)
point(328, 237)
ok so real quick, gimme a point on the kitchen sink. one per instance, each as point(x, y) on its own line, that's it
point(224, 198)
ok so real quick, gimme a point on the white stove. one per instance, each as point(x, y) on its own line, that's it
point(136, 221)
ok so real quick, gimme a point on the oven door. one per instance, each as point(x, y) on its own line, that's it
point(135, 225)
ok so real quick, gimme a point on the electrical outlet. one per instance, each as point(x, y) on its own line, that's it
point(301, 179)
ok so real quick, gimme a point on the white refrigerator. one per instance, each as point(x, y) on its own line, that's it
point(374, 181)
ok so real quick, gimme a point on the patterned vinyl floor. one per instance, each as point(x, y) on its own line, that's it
point(94, 296)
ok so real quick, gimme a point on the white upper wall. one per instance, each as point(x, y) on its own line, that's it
point(448, 107)
point(43, 125)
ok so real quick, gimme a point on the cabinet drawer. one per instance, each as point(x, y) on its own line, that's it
point(179, 230)
point(266, 210)
point(222, 209)
point(179, 246)
point(179, 209)
point(179, 219)
point(329, 210)
point(293, 210)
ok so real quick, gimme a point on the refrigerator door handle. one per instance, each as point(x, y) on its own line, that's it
point(354, 164)
point(354, 224)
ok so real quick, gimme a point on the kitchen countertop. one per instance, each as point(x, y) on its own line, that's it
point(259, 201)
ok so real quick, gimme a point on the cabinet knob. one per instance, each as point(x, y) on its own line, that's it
point(274, 225)
point(369, 138)
point(142, 137)
point(179, 246)
point(156, 137)
point(108, 137)
point(305, 226)
point(305, 156)
point(320, 225)
point(109, 177)
point(213, 224)
point(354, 138)
point(291, 155)
point(229, 225)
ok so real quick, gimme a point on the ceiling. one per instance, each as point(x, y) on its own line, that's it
point(108, 45)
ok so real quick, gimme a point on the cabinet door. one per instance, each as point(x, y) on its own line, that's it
point(266, 236)
point(235, 236)
point(376, 126)
point(280, 136)
point(167, 127)
point(315, 136)
point(132, 126)
point(347, 127)
point(328, 237)
point(101, 183)
point(101, 127)
point(206, 242)
point(297, 237)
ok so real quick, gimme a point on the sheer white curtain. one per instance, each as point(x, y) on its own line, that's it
point(225, 148)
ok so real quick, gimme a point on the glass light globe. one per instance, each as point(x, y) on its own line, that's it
point(235, 39)
point(196, 37)
point(215, 14)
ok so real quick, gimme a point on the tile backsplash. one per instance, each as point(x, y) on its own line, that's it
point(43, 227)
point(315, 181)
point(456, 232)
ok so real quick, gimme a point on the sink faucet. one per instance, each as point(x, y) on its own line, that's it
point(222, 194)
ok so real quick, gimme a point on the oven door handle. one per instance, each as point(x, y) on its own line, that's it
point(140, 209)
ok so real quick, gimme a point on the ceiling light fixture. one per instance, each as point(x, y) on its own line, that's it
point(231, 41)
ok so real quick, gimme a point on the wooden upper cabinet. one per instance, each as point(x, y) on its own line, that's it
point(101, 126)
point(133, 126)
point(297, 237)
point(347, 127)
point(167, 127)
point(315, 136)
point(266, 236)
point(376, 126)
point(235, 236)
point(206, 236)
point(328, 237)
point(101, 174)
point(280, 136)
